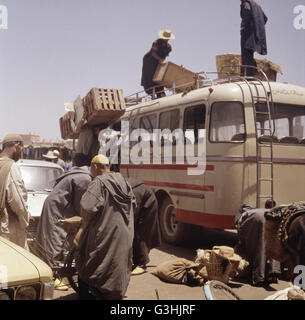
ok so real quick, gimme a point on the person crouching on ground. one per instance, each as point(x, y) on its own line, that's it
point(104, 258)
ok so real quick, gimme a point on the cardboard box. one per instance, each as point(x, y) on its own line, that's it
point(171, 75)
point(104, 105)
point(229, 63)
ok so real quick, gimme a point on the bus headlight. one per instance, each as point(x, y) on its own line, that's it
point(26, 293)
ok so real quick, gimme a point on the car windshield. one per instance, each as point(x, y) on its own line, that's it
point(39, 178)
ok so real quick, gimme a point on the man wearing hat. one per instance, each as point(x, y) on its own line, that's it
point(50, 156)
point(159, 51)
point(104, 258)
point(59, 161)
point(14, 214)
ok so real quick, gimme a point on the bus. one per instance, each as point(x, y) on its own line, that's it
point(254, 138)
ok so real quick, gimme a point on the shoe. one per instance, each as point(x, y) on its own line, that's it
point(273, 278)
point(260, 284)
point(60, 285)
point(138, 270)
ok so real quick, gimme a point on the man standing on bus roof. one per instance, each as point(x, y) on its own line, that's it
point(253, 34)
point(159, 51)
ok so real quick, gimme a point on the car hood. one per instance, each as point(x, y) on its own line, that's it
point(35, 202)
point(22, 266)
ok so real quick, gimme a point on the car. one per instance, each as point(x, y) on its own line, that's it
point(23, 276)
point(39, 177)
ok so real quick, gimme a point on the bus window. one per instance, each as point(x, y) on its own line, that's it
point(298, 129)
point(194, 120)
point(289, 121)
point(169, 120)
point(227, 122)
point(149, 122)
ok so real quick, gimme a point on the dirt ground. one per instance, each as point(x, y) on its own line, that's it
point(149, 287)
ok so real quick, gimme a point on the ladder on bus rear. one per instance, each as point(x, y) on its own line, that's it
point(264, 141)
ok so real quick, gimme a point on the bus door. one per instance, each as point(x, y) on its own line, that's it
point(189, 187)
point(227, 155)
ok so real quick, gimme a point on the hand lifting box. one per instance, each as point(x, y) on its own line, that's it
point(170, 75)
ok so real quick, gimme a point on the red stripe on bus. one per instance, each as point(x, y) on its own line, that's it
point(217, 221)
point(165, 167)
point(180, 186)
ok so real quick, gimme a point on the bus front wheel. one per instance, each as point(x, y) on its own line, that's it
point(173, 231)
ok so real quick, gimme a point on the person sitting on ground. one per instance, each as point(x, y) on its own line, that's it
point(104, 255)
point(250, 224)
point(62, 202)
point(147, 233)
point(157, 54)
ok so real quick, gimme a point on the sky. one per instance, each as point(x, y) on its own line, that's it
point(54, 50)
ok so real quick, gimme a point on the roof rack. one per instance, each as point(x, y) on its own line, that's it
point(201, 80)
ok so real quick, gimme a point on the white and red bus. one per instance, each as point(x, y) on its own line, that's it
point(255, 150)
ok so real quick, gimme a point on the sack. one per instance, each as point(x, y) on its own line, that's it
point(175, 271)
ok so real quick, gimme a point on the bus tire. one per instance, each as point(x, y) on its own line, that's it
point(173, 232)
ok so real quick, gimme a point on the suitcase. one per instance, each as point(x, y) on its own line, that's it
point(104, 105)
point(171, 75)
point(229, 63)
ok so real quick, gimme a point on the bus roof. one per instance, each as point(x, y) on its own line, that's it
point(230, 91)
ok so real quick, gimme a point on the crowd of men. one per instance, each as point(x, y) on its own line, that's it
point(119, 216)
point(119, 220)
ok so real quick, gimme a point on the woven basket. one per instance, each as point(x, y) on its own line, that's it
point(217, 268)
point(229, 63)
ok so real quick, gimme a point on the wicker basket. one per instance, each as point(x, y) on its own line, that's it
point(217, 268)
point(229, 63)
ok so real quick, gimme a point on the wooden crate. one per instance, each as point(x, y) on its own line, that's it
point(229, 63)
point(104, 105)
point(67, 126)
point(169, 74)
